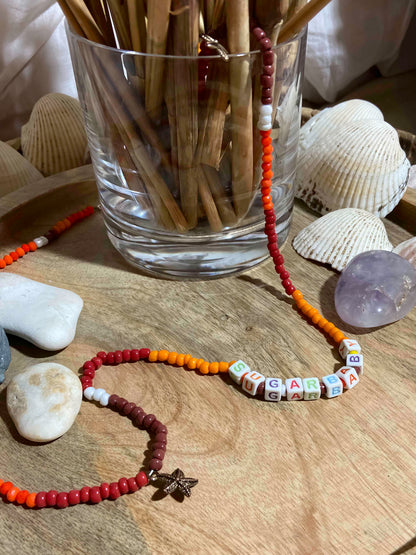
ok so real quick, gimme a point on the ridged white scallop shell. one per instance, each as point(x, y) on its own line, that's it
point(54, 138)
point(407, 250)
point(328, 119)
point(361, 165)
point(15, 171)
point(340, 235)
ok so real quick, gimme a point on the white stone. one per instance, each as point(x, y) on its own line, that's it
point(44, 315)
point(311, 389)
point(252, 381)
point(44, 400)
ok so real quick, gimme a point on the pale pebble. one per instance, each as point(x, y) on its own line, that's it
point(46, 316)
point(44, 400)
point(5, 356)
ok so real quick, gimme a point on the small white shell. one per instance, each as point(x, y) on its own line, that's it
point(15, 171)
point(54, 138)
point(360, 165)
point(340, 235)
point(407, 250)
point(317, 127)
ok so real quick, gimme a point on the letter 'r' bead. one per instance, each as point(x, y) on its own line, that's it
point(311, 389)
point(238, 370)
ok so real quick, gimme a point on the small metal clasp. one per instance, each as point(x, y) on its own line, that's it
point(215, 45)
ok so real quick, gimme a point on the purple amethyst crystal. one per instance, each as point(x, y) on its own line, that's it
point(375, 288)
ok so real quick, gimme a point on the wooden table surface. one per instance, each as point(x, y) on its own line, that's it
point(332, 476)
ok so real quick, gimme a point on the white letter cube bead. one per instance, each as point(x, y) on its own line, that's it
point(348, 376)
point(348, 345)
point(252, 381)
point(333, 385)
point(294, 389)
point(237, 370)
point(356, 362)
point(273, 389)
point(311, 389)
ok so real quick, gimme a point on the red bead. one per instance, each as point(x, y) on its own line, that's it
point(135, 412)
point(14, 255)
point(85, 386)
point(266, 81)
point(269, 213)
point(123, 486)
point(51, 498)
point(41, 499)
point(266, 100)
point(110, 358)
point(266, 166)
point(272, 248)
point(268, 58)
point(121, 403)
point(126, 355)
point(266, 141)
point(88, 365)
point(279, 268)
point(155, 464)
point(268, 69)
point(141, 479)
point(286, 283)
point(139, 418)
point(272, 236)
point(112, 401)
point(86, 380)
point(161, 436)
point(97, 361)
point(105, 490)
point(258, 33)
point(161, 429)
point(265, 44)
point(323, 389)
point(270, 219)
point(95, 495)
point(159, 454)
point(144, 353)
point(127, 409)
point(134, 355)
point(118, 357)
point(148, 420)
point(132, 485)
point(154, 426)
point(159, 445)
point(62, 500)
point(102, 355)
point(291, 289)
point(284, 275)
point(84, 494)
point(74, 497)
point(279, 259)
point(25, 247)
point(90, 373)
point(114, 490)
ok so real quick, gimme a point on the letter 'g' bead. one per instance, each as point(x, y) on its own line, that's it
point(238, 370)
point(273, 389)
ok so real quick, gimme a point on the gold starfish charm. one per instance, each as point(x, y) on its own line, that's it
point(177, 481)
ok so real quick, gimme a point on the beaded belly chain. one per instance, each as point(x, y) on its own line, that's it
point(252, 383)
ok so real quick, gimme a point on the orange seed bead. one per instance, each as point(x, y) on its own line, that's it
point(338, 337)
point(204, 368)
point(2, 264)
point(31, 500)
point(153, 356)
point(12, 493)
point(14, 255)
point(305, 308)
point(5, 487)
point(297, 295)
point(268, 206)
point(214, 367)
point(163, 355)
point(32, 246)
point(180, 359)
point(8, 259)
point(172, 357)
point(328, 327)
point(268, 174)
point(191, 364)
point(322, 322)
point(316, 318)
point(311, 312)
point(199, 362)
point(267, 158)
point(22, 496)
point(56, 230)
point(224, 366)
point(187, 359)
point(20, 251)
point(268, 149)
point(1, 482)
point(67, 223)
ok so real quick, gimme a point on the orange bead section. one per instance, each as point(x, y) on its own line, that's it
point(153, 356)
point(12, 494)
point(163, 355)
point(5, 487)
point(223, 367)
point(31, 500)
point(32, 246)
point(20, 251)
point(2, 264)
point(180, 359)
point(8, 259)
point(204, 368)
point(297, 295)
point(22, 496)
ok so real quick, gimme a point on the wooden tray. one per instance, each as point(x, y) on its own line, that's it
point(326, 477)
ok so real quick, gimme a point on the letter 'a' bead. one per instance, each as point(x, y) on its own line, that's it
point(238, 370)
point(294, 389)
point(333, 385)
point(348, 376)
point(348, 345)
point(311, 389)
point(273, 389)
point(252, 381)
point(356, 362)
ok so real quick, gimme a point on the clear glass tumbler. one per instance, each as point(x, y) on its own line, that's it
point(177, 153)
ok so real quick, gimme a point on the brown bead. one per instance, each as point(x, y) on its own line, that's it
point(135, 412)
point(266, 80)
point(260, 390)
point(112, 401)
point(139, 419)
point(265, 44)
point(155, 464)
point(258, 33)
point(50, 236)
point(120, 403)
point(323, 388)
point(126, 410)
point(159, 445)
point(268, 58)
point(148, 420)
point(266, 91)
point(159, 454)
point(268, 70)
point(161, 429)
point(266, 100)
point(154, 425)
point(161, 437)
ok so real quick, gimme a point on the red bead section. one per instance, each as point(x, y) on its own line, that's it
point(50, 235)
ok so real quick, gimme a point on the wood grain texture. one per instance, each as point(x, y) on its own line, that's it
point(332, 476)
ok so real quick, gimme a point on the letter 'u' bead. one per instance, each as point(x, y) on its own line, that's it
point(252, 381)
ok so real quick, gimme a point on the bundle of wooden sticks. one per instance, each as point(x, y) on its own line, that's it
point(210, 104)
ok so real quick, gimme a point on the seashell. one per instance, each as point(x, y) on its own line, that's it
point(15, 171)
point(54, 138)
point(407, 250)
point(340, 235)
point(361, 165)
point(317, 127)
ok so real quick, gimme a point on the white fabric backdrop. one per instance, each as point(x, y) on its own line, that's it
point(346, 39)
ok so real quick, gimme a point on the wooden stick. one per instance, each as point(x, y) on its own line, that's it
point(222, 200)
point(298, 21)
point(208, 202)
point(241, 104)
point(99, 14)
point(84, 20)
point(137, 22)
point(121, 25)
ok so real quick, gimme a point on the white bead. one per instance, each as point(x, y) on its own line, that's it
point(294, 389)
point(237, 370)
point(97, 394)
point(356, 362)
point(333, 385)
point(311, 389)
point(264, 126)
point(283, 390)
point(41, 241)
point(348, 376)
point(348, 345)
point(266, 110)
point(89, 393)
point(273, 389)
point(104, 399)
point(252, 381)
point(265, 119)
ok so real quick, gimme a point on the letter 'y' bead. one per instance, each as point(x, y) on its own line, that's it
point(238, 370)
point(252, 381)
point(348, 345)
